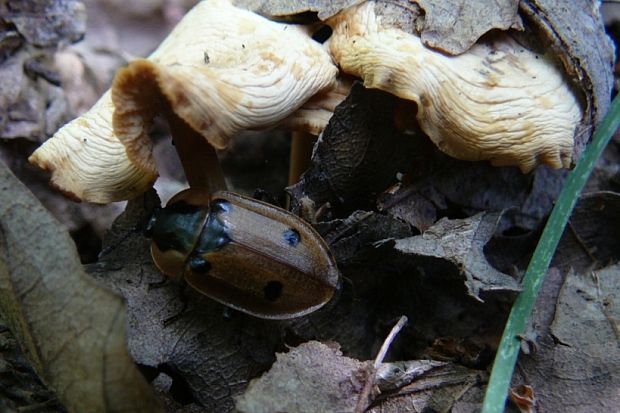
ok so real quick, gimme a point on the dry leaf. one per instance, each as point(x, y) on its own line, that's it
point(70, 329)
point(358, 155)
point(45, 23)
point(454, 26)
point(442, 389)
point(274, 9)
point(310, 378)
point(523, 397)
point(574, 366)
point(596, 223)
point(461, 242)
point(393, 376)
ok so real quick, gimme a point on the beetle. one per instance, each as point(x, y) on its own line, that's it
point(244, 253)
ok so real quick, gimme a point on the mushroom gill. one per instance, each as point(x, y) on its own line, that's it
point(221, 70)
point(498, 101)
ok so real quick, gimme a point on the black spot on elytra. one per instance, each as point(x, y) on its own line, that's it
point(273, 290)
point(199, 265)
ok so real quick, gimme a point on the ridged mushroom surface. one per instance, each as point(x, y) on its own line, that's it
point(221, 70)
point(498, 101)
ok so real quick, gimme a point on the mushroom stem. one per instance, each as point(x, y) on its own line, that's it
point(199, 159)
point(301, 152)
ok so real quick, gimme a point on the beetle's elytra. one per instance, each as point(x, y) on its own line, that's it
point(244, 253)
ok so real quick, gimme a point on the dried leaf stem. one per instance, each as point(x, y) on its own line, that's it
point(518, 319)
point(362, 402)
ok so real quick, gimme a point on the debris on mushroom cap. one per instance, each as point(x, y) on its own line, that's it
point(498, 101)
point(221, 70)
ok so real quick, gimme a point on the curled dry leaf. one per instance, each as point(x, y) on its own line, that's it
point(310, 378)
point(498, 101)
point(32, 105)
point(461, 242)
point(349, 164)
point(244, 72)
point(71, 329)
point(523, 397)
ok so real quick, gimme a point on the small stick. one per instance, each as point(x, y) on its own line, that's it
point(402, 321)
point(363, 401)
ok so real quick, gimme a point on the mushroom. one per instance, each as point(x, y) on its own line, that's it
point(498, 101)
point(308, 122)
point(221, 70)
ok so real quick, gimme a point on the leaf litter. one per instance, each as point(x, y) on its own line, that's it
point(440, 240)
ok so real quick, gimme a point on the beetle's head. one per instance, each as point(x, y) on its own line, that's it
point(175, 229)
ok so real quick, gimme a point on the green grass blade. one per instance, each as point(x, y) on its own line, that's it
point(503, 367)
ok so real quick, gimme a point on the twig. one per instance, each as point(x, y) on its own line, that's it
point(362, 402)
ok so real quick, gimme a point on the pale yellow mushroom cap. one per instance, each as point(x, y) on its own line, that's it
point(87, 160)
point(498, 101)
point(221, 70)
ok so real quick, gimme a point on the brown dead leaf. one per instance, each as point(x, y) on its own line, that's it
point(591, 238)
point(70, 328)
point(575, 363)
point(523, 397)
point(596, 223)
point(31, 101)
point(469, 352)
point(310, 378)
point(441, 186)
point(359, 154)
point(274, 9)
point(454, 26)
point(45, 23)
point(461, 242)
